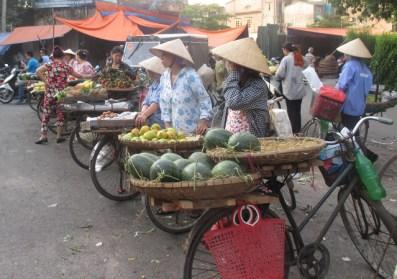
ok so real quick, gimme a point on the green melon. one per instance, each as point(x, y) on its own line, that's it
point(227, 168)
point(244, 142)
point(171, 156)
point(138, 166)
point(164, 170)
point(216, 138)
point(196, 171)
point(150, 156)
point(202, 158)
point(181, 164)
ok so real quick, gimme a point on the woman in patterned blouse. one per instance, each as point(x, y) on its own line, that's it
point(184, 102)
point(54, 75)
point(244, 90)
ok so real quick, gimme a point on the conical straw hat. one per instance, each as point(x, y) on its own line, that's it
point(174, 47)
point(153, 64)
point(355, 48)
point(244, 52)
point(69, 51)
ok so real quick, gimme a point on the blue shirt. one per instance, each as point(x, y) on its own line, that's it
point(32, 65)
point(356, 81)
point(153, 97)
point(45, 58)
point(186, 101)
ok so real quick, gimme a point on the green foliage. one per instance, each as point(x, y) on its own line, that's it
point(386, 9)
point(331, 21)
point(364, 34)
point(211, 17)
point(19, 12)
point(384, 61)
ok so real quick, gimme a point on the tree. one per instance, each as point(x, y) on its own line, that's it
point(331, 21)
point(379, 9)
point(211, 17)
point(19, 12)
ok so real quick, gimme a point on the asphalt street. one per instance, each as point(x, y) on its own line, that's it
point(54, 224)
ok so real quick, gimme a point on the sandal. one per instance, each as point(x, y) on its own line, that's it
point(42, 141)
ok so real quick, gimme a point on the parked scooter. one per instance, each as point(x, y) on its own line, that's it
point(9, 87)
point(4, 72)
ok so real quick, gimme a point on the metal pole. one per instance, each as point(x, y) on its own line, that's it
point(53, 28)
point(4, 16)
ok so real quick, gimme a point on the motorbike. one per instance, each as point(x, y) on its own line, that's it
point(4, 72)
point(9, 87)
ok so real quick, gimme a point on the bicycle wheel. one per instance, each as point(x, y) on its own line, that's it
point(32, 99)
point(289, 195)
point(366, 223)
point(173, 222)
point(388, 176)
point(69, 124)
point(81, 145)
point(199, 262)
point(108, 173)
point(312, 128)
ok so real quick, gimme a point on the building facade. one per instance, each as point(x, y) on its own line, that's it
point(254, 13)
point(303, 13)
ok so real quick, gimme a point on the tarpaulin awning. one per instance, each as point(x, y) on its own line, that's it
point(115, 27)
point(316, 31)
point(147, 23)
point(4, 48)
point(35, 33)
point(220, 37)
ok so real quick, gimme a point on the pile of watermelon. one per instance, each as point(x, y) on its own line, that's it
point(172, 167)
point(220, 138)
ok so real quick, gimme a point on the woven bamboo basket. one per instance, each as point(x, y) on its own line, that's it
point(274, 151)
point(198, 190)
point(380, 106)
point(190, 143)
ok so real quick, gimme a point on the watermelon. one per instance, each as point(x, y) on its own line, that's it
point(181, 164)
point(171, 156)
point(138, 166)
point(165, 170)
point(227, 168)
point(151, 156)
point(202, 158)
point(244, 142)
point(216, 138)
point(196, 171)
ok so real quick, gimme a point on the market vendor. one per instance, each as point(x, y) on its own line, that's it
point(184, 102)
point(244, 90)
point(117, 63)
point(355, 80)
point(82, 66)
point(54, 75)
point(150, 112)
point(69, 57)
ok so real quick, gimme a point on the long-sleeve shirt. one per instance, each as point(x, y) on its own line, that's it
point(186, 101)
point(153, 97)
point(291, 77)
point(356, 81)
point(32, 65)
point(251, 99)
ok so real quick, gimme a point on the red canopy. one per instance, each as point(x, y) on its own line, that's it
point(115, 27)
point(35, 33)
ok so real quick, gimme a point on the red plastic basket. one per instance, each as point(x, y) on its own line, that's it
point(248, 251)
point(328, 103)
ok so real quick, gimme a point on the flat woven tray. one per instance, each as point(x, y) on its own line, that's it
point(198, 190)
point(189, 144)
point(380, 106)
point(121, 89)
point(274, 151)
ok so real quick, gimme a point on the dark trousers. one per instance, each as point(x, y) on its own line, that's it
point(294, 114)
point(350, 121)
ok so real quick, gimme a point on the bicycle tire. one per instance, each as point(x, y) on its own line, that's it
point(79, 149)
point(165, 222)
point(32, 101)
point(111, 175)
point(203, 225)
point(312, 128)
point(289, 194)
point(363, 221)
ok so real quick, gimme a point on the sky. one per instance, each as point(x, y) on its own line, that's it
point(219, 2)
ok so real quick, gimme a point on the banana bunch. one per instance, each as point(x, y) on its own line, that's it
point(88, 84)
point(38, 87)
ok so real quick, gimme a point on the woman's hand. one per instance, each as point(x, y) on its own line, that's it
point(202, 126)
point(140, 120)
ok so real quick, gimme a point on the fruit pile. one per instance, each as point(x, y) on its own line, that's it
point(220, 138)
point(154, 134)
point(172, 167)
point(87, 88)
point(38, 87)
point(115, 79)
point(108, 115)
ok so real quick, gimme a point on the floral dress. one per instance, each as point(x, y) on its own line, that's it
point(237, 122)
point(185, 102)
point(57, 75)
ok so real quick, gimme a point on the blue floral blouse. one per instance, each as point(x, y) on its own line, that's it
point(185, 102)
point(153, 96)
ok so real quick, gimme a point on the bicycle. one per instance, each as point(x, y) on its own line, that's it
point(364, 221)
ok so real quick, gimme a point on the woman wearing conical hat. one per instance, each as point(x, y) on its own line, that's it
point(244, 90)
point(355, 80)
point(150, 112)
point(184, 102)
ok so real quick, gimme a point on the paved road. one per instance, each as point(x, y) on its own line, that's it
point(52, 220)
